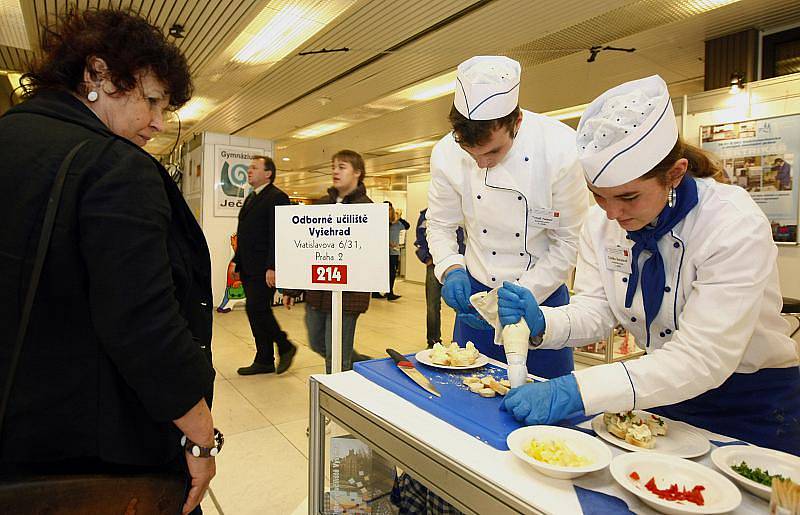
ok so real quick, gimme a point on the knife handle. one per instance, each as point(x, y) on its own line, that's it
point(396, 356)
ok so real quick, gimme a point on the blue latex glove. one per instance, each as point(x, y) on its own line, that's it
point(456, 290)
point(515, 302)
point(475, 321)
point(547, 402)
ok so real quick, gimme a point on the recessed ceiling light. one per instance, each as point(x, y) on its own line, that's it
point(567, 113)
point(411, 146)
point(319, 129)
point(196, 108)
point(275, 32)
point(285, 159)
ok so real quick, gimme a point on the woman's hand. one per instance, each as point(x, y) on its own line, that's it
point(198, 426)
point(202, 471)
point(288, 301)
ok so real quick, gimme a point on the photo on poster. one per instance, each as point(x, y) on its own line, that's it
point(230, 177)
point(760, 157)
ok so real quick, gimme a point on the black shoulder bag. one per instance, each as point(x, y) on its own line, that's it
point(157, 493)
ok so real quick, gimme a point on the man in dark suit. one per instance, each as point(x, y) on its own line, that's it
point(255, 261)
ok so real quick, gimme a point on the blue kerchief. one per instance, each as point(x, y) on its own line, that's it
point(652, 274)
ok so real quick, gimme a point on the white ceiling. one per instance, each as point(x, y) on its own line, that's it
point(395, 44)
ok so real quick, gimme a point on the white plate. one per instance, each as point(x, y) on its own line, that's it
point(775, 462)
point(720, 495)
point(580, 443)
point(681, 439)
point(424, 357)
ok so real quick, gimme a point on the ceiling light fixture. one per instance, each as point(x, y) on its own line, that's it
point(433, 88)
point(412, 146)
point(12, 29)
point(285, 159)
point(737, 83)
point(319, 129)
point(196, 108)
point(274, 33)
point(176, 31)
point(567, 113)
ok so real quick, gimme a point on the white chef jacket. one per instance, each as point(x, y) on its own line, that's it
point(540, 174)
point(720, 313)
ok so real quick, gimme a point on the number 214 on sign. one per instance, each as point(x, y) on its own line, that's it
point(329, 274)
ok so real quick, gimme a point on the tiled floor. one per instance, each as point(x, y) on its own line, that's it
point(263, 468)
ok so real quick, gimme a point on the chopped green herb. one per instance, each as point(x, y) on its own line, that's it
point(757, 475)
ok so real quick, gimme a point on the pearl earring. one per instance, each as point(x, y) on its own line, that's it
point(671, 197)
point(92, 96)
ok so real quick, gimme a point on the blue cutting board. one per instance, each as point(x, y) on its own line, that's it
point(478, 416)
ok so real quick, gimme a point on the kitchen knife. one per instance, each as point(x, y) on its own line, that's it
point(408, 369)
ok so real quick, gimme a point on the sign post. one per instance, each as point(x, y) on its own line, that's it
point(335, 247)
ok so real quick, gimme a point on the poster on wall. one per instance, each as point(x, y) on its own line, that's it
point(230, 177)
point(761, 157)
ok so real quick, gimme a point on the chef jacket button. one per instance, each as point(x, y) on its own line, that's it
point(526, 158)
point(676, 245)
point(519, 198)
point(667, 289)
point(633, 319)
point(661, 334)
point(484, 231)
point(517, 234)
point(521, 253)
point(624, 279)
point(668, 331)
point(627, 237)
point(493, 279)
point(479, 197)
point(494, 253)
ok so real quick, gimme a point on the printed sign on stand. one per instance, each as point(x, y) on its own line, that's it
point(341, 247)
point(337, 247)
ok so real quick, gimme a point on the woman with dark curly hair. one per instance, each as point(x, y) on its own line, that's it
point(115, 369)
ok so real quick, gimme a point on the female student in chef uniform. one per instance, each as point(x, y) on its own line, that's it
point(688, 266)
point(511, 178)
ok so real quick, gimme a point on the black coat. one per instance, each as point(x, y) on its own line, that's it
point(113, 352)
point(255, 248)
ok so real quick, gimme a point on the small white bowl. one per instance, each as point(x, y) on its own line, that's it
point(720, 495)
point(580, 443)
point(775, 462)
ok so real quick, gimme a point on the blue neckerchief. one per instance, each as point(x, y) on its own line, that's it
point(653, 276)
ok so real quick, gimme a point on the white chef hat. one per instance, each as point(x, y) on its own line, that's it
point(626, 132)
point(487, 87)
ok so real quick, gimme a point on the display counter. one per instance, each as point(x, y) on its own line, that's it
point(468, 473)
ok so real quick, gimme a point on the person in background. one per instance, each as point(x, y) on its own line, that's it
point(433, 288)
point(685, 264)
point(347, 172)
point(784, 175)
point(116, 365)
point(512, 180)
point(255, 262)
point(396, 225)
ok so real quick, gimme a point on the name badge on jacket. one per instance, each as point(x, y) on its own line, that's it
point(544, 217)
point(618, 259)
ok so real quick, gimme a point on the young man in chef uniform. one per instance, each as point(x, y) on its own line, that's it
point(688, 266)
point(511, 178)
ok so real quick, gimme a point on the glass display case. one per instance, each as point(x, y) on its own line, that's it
point(622, 347)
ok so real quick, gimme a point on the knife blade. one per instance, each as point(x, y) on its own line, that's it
point(408, 369)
